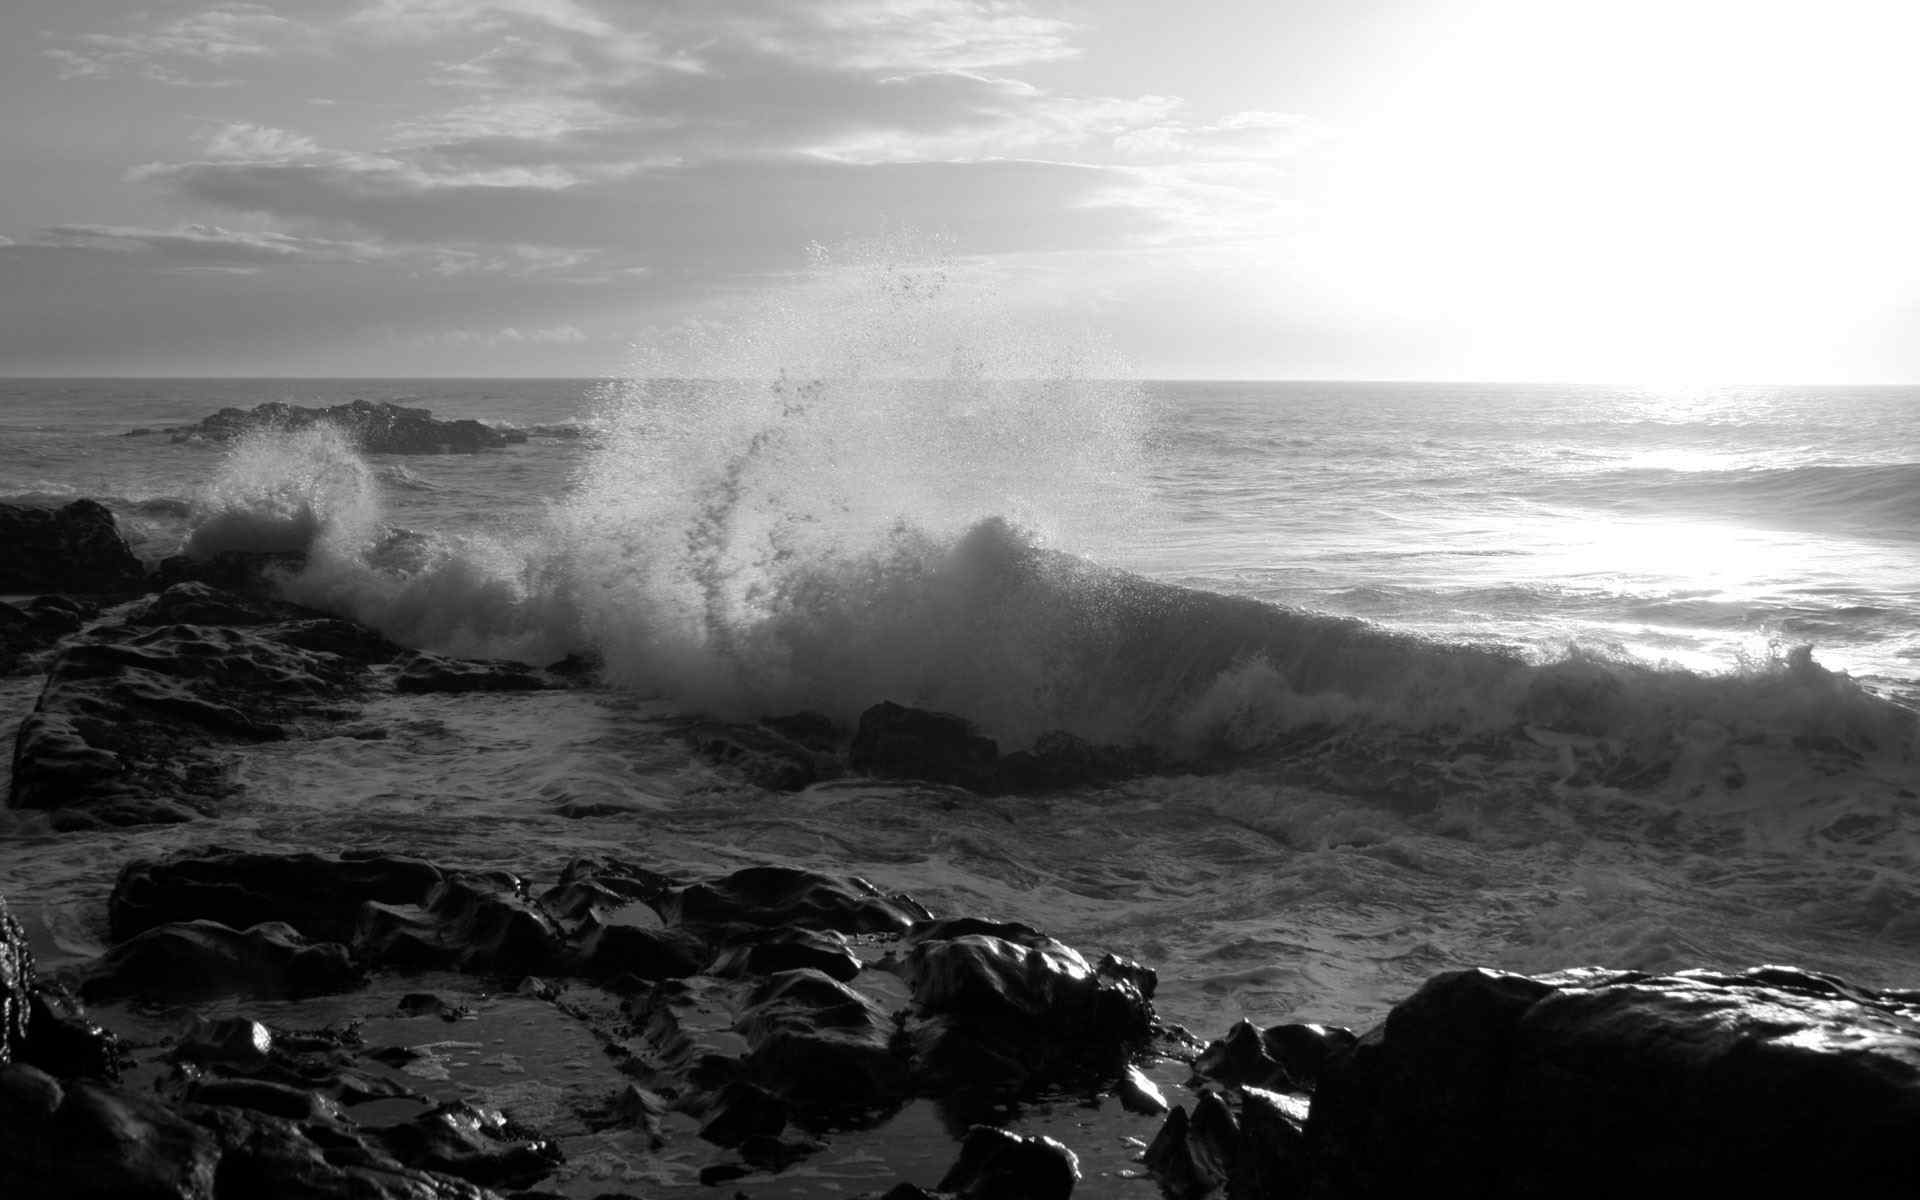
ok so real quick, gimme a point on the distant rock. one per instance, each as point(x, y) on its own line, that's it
point(74, 548)
point(377, 426)
point(899, 742)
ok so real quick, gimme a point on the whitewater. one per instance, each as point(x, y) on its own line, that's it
point(1527, 676)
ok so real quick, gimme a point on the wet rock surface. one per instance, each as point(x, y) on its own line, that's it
point(74, 548)
point(137, 717)
point(377, 427)
point(1769, 1082)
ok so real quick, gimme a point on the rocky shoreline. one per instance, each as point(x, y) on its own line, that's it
point(771, 1019)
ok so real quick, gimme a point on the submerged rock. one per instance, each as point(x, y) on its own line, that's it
point(421, 672)
point(377, 427)
point(1593, 1083)
point(74, 548)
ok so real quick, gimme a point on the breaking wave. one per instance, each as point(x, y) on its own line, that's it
point(886, 487)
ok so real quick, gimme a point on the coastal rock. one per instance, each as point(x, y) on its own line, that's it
point(27, 631)
point(897, 742)
point(767, 897)
point(318, 895)
point(244, 572)
point(1060, 760)
point(199, 960)
point(129, 726)
point(480, 921)
point(83, 1140)
point(995, 1164)
point(822, 1047)
point(74, 548)
point(790, 950)
point(471, 1143)
point(763, 756)
point(1016, 1009)
point(41, 1024)
point(1285, 1058)
point(1592, 1083)
point(377, 427)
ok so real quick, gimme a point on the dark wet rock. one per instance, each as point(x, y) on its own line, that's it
point(240, 1041)
point(995, 1164)
point(202, 604)
point(265, 1096)
point(1271, 1159)
point(198, 960)
point(605, 951)
point(377, 427)
point(768, 897)
point(742, 1111)
point(1286, 1058)
point(242, 572)
point(821, 1046)
point(897, 742)
point(62, 1039)
point(1192, 1156)
point(481, 921)
point(763, 756)
point(41, 1024)
point(74, 548)
point(1138, 1094)
point(421, 672)
point(261, 1154)
point(790, 950)
point(28, 632)
point(319, 895)
point(1019, 1011)
point(1059, 760)
point(472, 1143)
point(426, 1004)
point(1594, 1083)
point(80, 1139)
point(602, 886)
point(131, 724)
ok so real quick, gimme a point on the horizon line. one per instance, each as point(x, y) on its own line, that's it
point(1651, 384)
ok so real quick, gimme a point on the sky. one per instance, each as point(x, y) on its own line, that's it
point(1684, 190)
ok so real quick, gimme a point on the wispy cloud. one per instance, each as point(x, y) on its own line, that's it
point(198, 49)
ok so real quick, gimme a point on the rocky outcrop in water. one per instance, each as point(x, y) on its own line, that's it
point(74, 548)
point(137, 719)
point(377, 427)
point(131, 725)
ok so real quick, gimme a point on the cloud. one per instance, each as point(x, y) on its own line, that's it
point(199, 244)
point(198, 49)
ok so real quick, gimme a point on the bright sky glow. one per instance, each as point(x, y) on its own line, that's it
point(1684, 191)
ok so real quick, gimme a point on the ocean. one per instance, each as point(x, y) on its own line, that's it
point(1526, 676)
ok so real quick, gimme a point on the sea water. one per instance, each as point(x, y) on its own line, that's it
point(1527, 676)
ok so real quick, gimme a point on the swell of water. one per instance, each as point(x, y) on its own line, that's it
point(881, 486)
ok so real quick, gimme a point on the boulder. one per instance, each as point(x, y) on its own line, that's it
point(74, 548)
point(995, 1164)
point(897, 742)
point(822, 1047)
point(377, 427)
point(1018, 1010)
point(1595, 1083)
point(762, 755)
